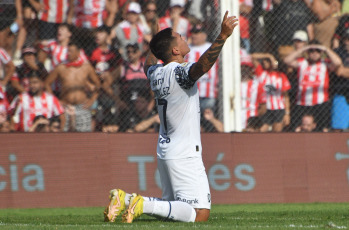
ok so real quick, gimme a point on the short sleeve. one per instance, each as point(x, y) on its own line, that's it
point(151, 69)
point(182, 75)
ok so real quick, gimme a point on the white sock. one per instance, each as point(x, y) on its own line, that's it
point(174, 210)
point(128, 197)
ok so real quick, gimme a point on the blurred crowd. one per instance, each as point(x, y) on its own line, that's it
point(77, 65)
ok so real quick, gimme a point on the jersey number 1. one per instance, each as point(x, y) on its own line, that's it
point(162, 107)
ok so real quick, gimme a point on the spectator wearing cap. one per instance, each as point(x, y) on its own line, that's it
point(179, 23)
point(28, 105)
point(130, 30)
point(340, 86)
point(299, 39)
point(20, 80)
point(313, 82)
point(252, 95)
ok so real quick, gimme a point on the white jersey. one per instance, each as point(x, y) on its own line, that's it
point(177, 98)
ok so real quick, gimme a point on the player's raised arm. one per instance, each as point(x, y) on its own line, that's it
point(207, 60)
point(150, 59)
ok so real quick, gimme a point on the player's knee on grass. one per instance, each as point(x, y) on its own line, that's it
point(202, 215)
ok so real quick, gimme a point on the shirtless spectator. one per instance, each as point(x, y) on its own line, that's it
point(36, 102)
point(20, 80)
point(179, 23)
point(308, 124)
point(77, 77)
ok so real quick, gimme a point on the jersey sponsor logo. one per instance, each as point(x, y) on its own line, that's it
point(195, 201)
point(163, 140)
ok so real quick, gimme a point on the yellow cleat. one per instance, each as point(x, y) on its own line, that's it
point(116, 205)
point(134, 210)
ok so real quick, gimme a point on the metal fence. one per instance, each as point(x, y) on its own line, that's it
point(293, 58)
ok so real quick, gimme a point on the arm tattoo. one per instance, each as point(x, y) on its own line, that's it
point(207, 59)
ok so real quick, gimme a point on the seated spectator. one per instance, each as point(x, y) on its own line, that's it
point(77, 78)
point(179, 23)
point(138, 118)
point(55, 125)
point(340, 87)
point(57, 49)
point(40, 125)
point(253, 96)
point(20, 80)
point(276, 86)
point(215, 124)
point(130, 31)
point(308, 124)
point(36, 102)
point(132, 77)
point(313, 82)
point(7, 67)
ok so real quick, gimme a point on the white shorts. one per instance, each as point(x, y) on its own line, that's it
point(185, 180)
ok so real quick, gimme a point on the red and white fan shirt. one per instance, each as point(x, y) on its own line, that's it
point(313, 83)
point(252, 95)
point(59, 53)
point(183, 27)
point(55, 11)
point(89, 13)
point(126, 28)
point(208, 83)
point(26, 107)
point(275, 84)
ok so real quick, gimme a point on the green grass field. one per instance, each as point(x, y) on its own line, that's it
point(249, 216)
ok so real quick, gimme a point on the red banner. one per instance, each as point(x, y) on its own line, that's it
point(78, 169)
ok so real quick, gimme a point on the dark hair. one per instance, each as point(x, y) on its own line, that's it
point(37, 74)
point(69, 27)
point(74, 43)
point(103, 28)
point(314, 42)
point(161, 43)
point(55, 119)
